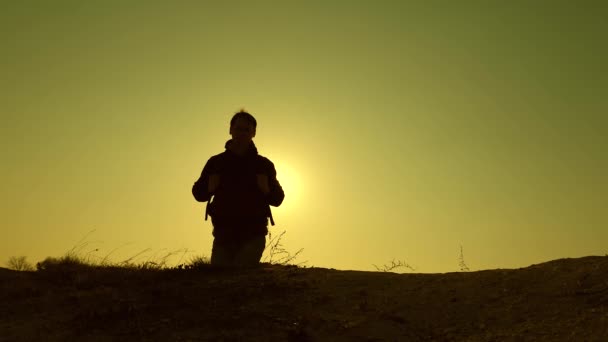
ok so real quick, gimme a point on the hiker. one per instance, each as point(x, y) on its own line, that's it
point(239, 185)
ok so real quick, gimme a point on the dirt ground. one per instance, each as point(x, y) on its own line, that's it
point(561, 300)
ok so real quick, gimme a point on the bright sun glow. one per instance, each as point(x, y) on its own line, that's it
point(291, 182)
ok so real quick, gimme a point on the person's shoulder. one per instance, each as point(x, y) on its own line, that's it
point(219, 155)
point(216, 158)
point(265, 161)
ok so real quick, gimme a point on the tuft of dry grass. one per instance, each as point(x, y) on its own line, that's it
point(194, 262)
point(156, 261)
point(82, 256)
point(277, 254)
point(393, 265)
point(67, 261)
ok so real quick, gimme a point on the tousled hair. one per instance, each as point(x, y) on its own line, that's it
point(246, 116)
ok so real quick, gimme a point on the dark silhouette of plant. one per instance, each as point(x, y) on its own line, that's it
point(195, 262)
point(276, 252)
point(19, 263)
point(461, 263)
point(395, 264)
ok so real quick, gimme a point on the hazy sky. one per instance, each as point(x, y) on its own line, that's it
point(399, 129)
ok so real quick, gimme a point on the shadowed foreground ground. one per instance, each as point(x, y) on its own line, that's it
point(561, 300)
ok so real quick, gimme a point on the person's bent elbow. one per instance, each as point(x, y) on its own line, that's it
point(199, 193)
point(275, 199)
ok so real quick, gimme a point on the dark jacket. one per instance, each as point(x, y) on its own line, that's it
point(239, 209)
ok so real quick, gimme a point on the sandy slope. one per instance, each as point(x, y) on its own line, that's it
point(561, 300)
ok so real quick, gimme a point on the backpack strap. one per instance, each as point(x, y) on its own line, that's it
point(207, 208)
point(270, 216)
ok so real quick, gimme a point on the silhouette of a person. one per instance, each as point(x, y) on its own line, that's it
point(239, 185)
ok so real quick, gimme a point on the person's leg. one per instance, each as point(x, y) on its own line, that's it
point(223, 253)
point(250, 252)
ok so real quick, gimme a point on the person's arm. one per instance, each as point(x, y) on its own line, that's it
point(275, 195)
point(207, 183)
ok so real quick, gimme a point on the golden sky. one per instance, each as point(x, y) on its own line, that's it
point(399, 129)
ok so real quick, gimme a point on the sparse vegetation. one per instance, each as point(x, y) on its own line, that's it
point(19, 263)
point(394, 264)
point(154, 261)
point(151, 262)
point(194, 262)
point(66, 261)
point(199, 261)
point(276, 252)
point(82, 256)
point(461, 263)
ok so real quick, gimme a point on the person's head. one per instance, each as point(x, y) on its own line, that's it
point(242, 127)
